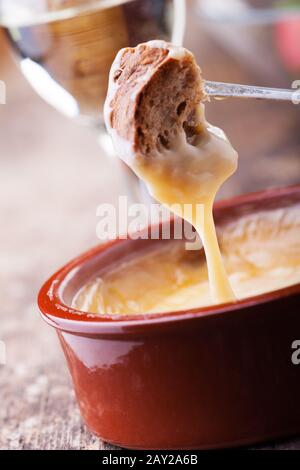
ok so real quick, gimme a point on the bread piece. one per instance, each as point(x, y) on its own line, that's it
point(154, 93)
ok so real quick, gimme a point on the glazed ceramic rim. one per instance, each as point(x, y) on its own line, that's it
point(61, 316)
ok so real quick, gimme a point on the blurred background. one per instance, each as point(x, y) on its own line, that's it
point(56, 164)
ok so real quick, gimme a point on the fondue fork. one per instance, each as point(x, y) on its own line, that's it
point(233, 90)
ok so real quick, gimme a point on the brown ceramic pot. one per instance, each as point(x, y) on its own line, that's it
point(204, 378)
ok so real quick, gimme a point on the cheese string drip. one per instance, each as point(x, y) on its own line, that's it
point(155, 116)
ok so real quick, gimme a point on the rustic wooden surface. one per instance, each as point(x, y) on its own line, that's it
point(53, 176)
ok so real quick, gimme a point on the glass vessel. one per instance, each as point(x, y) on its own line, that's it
point(65, 49)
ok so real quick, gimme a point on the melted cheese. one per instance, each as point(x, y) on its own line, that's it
point(185, 175)
point(261, 254)
point(190, 175)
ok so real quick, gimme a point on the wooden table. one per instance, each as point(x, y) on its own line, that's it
point(53, 176)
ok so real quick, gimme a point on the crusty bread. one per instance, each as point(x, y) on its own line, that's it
point(154, 93)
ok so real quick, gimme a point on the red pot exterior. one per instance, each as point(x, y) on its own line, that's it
point(218, 377)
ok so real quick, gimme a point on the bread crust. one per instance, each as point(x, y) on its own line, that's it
point(154, 93)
